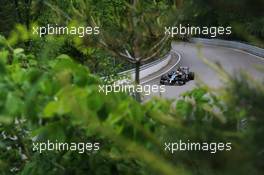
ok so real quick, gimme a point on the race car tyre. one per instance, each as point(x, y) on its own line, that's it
point(191, 75)
point(180, 83)
point(164, 77)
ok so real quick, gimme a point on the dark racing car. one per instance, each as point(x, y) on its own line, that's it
point(178, 77)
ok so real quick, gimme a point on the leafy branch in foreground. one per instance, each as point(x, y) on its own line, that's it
point(61, 102)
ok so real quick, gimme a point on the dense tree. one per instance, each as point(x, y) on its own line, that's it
point(133, 30)
point(245, 16)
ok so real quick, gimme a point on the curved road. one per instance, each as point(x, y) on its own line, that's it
point(232, 61)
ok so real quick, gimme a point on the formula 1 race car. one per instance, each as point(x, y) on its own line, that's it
point(178, 77)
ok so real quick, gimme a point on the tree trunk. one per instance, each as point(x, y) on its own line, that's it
point(179, 3)
point(27, 20)
point(17, 10)
point(137, 81)
point(28, 11)
point(137, 72)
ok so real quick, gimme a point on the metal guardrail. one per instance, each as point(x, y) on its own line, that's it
point(173, 54)
point(233, 44)
point(145, 66)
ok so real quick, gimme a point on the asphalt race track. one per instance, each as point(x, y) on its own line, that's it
point(231, 60)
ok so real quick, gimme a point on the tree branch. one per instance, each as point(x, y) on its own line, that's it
point(164, 40)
